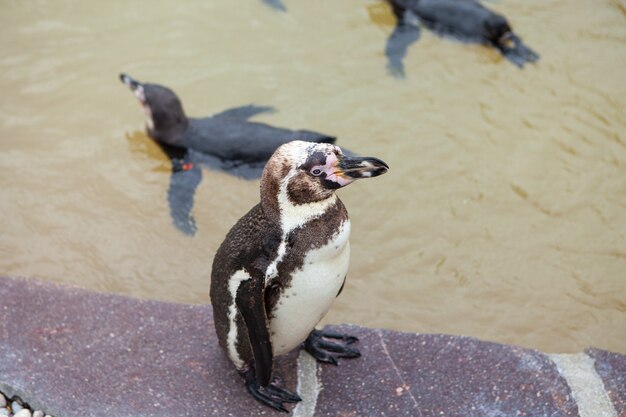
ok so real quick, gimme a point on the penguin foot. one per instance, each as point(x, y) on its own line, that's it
point(324, 350)
point(272, 395)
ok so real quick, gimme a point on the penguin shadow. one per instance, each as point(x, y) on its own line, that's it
point(276, 5)
point(185, 169)
point(465, 21)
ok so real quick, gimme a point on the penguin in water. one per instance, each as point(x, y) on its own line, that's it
point(227, 141)
point(282, 265)
point(464, 20)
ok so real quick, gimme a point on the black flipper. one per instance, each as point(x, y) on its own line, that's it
point(183, 183)
point(406, 33)
point(327, 351)
point(243, 113)
point(251, 304)
point(276, 5)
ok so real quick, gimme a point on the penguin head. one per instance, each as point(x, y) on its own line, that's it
point(164, 111)
point(308, 172)
point(497, 29)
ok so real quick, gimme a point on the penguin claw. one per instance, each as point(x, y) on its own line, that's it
point(272, 395)
point(339, 336)
point(282, 394)
point(327, 351)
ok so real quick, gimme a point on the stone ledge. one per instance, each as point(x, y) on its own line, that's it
point(72, 353)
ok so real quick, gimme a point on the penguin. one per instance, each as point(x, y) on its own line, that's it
point(227, 141)
point(464, 20)
point(228, 135)
point(281, 266)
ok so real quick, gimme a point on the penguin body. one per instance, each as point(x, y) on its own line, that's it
point(228, 135)
point(313, 288)
point(464, 20)
point(282, 265)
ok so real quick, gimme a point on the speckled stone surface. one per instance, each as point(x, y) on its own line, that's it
point(612, 369)
point(76, 353)
point(439, 375)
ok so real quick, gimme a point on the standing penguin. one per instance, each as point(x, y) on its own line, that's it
point(282, 265)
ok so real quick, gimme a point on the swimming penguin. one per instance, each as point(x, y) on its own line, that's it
point(282, 265)
point(228, 135)
point(227, 141)
point(465, 20)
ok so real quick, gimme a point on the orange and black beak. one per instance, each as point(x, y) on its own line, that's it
point(361, 167)
point(345, 169)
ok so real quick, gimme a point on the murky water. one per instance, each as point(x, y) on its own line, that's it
point(503, 216)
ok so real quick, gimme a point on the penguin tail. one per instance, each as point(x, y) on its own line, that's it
point(315, 137)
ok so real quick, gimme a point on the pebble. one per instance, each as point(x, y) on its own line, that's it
point(16, 407)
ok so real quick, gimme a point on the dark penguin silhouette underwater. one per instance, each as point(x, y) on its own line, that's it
point(276, 5)
point(226, 141)
point(464, 20)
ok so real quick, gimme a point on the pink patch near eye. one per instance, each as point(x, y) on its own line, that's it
point(333, 173)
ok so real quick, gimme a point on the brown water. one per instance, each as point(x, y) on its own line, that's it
point(503, 216)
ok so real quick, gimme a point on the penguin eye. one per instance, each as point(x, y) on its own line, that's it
point(316, 171)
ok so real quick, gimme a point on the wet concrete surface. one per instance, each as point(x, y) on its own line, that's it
point(75, 353)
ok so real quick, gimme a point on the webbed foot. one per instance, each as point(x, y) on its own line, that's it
point(272, 395)
point(324, 350)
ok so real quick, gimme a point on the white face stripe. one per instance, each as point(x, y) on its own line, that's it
point(293, 216)
point(149, 120)
point(141, 96)
point(233, 285)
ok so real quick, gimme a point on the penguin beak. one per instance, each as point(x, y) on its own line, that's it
point(507, 39)
point(360, 167)
point(345, 169)
point(129, 81)
point(135, 86)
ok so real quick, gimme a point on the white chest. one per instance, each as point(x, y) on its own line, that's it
point(312, 290)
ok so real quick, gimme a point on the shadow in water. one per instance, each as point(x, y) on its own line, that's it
point(186, 174)
point(276, 5)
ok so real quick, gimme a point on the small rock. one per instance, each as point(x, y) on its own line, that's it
point(16, 407)
point(4, 412)
point(38, 413)
point(23, 413)
point(3, 401)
